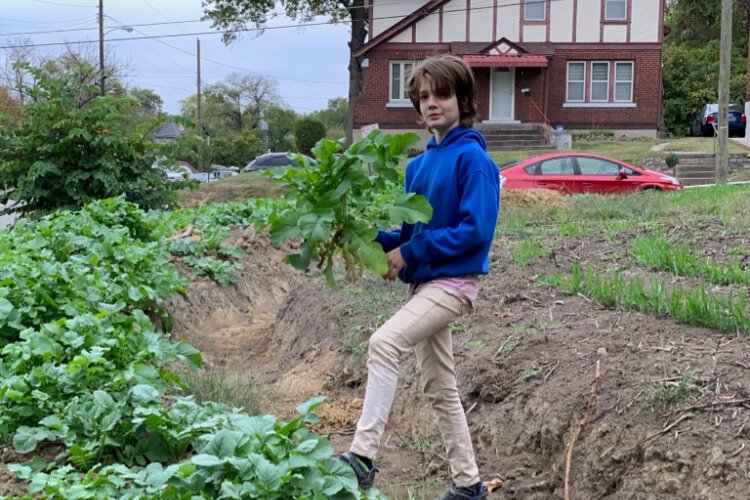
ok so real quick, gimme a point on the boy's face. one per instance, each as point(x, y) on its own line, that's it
point(441, 114)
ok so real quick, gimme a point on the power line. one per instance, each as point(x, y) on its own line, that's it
point(64, 4)
point(265, 28)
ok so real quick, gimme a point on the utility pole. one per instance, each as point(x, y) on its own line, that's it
point(101, 47)
point(722, 153)
point(199, 119)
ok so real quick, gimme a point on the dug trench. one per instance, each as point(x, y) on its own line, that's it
point(560, 392)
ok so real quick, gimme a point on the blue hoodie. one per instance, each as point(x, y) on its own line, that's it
point(462, 185)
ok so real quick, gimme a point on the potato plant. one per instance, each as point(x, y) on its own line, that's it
point(336, 204)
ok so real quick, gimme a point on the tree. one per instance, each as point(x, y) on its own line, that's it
point(66, 153)
point(9, 105)
point(280, 121)
point(150, 102)
point(691, 60)
point(233, 15)
point(242, 99)
point(307, 132)
point(334, 116)
point(236, 150)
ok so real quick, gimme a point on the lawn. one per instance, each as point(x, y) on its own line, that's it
point(634, 151)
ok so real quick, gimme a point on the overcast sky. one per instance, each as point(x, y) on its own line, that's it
point(308, 64)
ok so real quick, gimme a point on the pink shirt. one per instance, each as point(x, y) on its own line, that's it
point(463, 287)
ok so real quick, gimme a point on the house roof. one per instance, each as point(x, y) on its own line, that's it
point(169, 130)
point(506, 61)
point(408, 20)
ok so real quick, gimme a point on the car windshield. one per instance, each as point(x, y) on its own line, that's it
point(714, 108)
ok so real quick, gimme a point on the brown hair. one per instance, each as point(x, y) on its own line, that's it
point(450, 75)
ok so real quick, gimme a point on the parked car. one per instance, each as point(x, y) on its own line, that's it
point(703, 123)
point(583, 173)
point(173, 175)
point(270, 160)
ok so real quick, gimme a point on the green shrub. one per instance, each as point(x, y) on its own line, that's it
point(593, 135)
point(74, 147)
point(307, 132)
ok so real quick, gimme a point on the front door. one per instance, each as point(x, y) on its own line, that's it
point(503, 83)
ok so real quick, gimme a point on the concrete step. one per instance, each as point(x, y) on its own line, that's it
point(698, 181)
point(519, 142)
point(540, 148)
point(503, 133)
point(505, 126)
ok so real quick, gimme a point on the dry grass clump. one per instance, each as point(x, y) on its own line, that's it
point(528, 198)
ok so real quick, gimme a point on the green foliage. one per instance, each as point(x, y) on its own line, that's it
point(691, 61)
point(656, 252)
point(66, 152)
point(280, 122)
point(330, 202)
point(334, 116)
point(83, 366)
point(593, 135)
point(527, 251)
point(700, 307)
point(672, 160)
point(237, 150)
point(307, 132)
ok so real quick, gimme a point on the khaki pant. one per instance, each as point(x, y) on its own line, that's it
point(422, 324)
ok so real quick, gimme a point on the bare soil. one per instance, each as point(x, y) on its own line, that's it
point(527, 360)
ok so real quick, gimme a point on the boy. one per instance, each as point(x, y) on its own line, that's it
point(441, 261)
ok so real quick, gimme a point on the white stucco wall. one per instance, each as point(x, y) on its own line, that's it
point(535, 33)
point(645, 21)
point(428, 29)
point(617, 33)
point(386, 13)
point(454, 21)
point(561, 15)
point(587, 24)
point(481, 21)
point(507, 21)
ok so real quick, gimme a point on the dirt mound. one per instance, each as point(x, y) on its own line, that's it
point(671, 407)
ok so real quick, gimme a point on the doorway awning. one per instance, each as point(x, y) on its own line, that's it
point(506, 61)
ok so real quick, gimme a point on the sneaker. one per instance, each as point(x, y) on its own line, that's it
point(474, 492)
point(365, 475)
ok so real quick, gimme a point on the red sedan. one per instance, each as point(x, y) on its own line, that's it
point(583, 173)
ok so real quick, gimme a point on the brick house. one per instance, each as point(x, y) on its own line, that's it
point(582, 64)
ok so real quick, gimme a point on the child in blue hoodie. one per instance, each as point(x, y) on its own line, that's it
point(441, 261)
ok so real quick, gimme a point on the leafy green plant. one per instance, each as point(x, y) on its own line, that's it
point(329, 202)
point(72, 148)
point(672, 160)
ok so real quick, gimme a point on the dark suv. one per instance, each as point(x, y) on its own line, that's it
point(270, 160)
point(707, 120)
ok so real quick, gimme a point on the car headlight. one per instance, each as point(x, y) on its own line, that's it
point(671, 179)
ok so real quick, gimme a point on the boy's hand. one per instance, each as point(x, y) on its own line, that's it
point(395, 263)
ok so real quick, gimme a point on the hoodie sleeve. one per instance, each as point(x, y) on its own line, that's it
point(388, 239)
point(478, 208)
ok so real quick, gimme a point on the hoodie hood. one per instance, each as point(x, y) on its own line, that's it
point(457, 135)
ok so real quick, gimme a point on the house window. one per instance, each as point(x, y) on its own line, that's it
point(599, 81)
point(400, 72)
point(576, 81)
point(624, 81)
point(615, 10)
point(535, 10)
